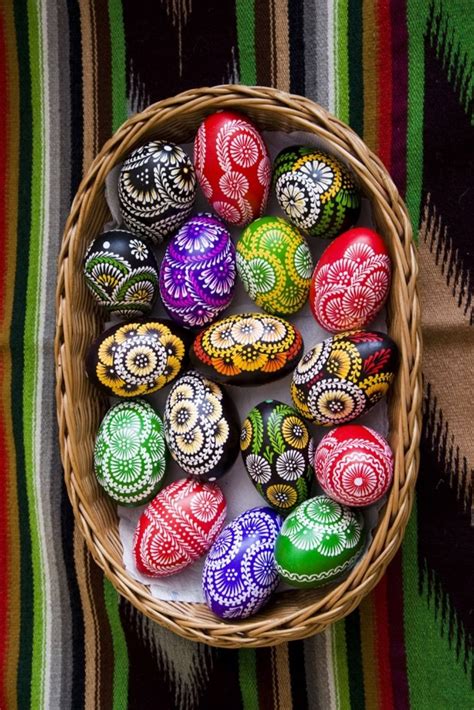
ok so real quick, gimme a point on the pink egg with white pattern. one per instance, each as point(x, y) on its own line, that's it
point(351, 281)
point(178, 526)
point(354, 465)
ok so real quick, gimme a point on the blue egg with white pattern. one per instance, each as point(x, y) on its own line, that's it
point(240, 573)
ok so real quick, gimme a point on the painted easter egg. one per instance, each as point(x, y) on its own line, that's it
point(351, 281)
point(239, 573)
point(137, 358)
point(354, 465)
point(130, 455)
point(201, 427)
point(198, 272)
point(277, 451)
point(275, 265)
point(344, 376)
point(316, 191)
point(157, 189)
point(247, 348)
point(121, 273)
point(178, 526)
point(318, 542)
point(232, 167)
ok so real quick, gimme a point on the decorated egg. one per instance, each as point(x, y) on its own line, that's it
point(201, 427)
point(344, 376)
point(278, 451)
point(178, 526)
point(137, 358)
point(197, 274)
point(354, 465)
point(232, 167)
point(130, 454)
point(351, 281)
point(316, 191)
point(247, 349)
point(239, 573)
point(275, 265)
point(121, 273)
point(157, 189)
point(318, 542)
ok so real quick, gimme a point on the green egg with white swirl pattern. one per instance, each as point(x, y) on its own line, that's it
point(130, 454)
point(319, 542)
point(278, 451)
point(275, 265)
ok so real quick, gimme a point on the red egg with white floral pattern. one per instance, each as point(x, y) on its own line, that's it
point(354, 465)
point(351, 281)
point(232, 167)
point(178, 527)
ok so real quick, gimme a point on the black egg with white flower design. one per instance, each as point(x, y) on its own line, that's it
point(201, 427)
point(278, 452)
point(316, 191)
point(121, 272)
point(157, 189)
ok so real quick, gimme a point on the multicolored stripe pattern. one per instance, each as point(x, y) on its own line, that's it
point(400, 73)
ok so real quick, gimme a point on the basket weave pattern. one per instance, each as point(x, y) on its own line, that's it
point(296, 614)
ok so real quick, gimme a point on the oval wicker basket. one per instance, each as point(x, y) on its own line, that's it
point(296, 614)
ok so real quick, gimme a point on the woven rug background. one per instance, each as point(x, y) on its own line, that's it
point(400, 73)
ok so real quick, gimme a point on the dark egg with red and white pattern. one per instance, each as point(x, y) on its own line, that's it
point(232, 167)
point(344, 376)
point(354, 465)
point(351, 281)
point(178, 527)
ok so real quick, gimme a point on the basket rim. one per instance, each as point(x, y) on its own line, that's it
point(193, 620)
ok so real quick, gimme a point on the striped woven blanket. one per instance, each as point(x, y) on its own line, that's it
point(400, 73)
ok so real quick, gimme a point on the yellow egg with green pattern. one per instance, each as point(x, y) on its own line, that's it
point(275, 265)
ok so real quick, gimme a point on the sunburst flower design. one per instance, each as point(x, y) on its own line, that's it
point(295, 432)
point(281, 495)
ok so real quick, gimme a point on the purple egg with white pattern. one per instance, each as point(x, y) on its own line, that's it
point(198, 272)
point(240, 573)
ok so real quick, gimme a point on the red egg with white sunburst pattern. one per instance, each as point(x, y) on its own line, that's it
point(232, 167)
point(178, 526)
point(351, 281)
point(354, 465)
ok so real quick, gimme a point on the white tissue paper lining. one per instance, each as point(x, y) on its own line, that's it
point(239, 492)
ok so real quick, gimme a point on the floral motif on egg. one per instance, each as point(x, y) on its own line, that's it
point(275, 265)
point(348, 292)
point(121, 272)
point(199, 427)
point(232, 167)
point(277, 451)
point(246, 347)
point(130, 454)
point(136, 358)
point(197, 274)
point(239, 572)
point(316, 191)
point(178, 526)
point(354, 465)
point(319, 541)
point(157, 189)
point(342, 377)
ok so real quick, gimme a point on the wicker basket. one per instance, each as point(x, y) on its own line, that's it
point(296, 614)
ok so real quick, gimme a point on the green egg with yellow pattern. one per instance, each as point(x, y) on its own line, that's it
point(275, 265)
point(130, 454)
point(319, 542)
